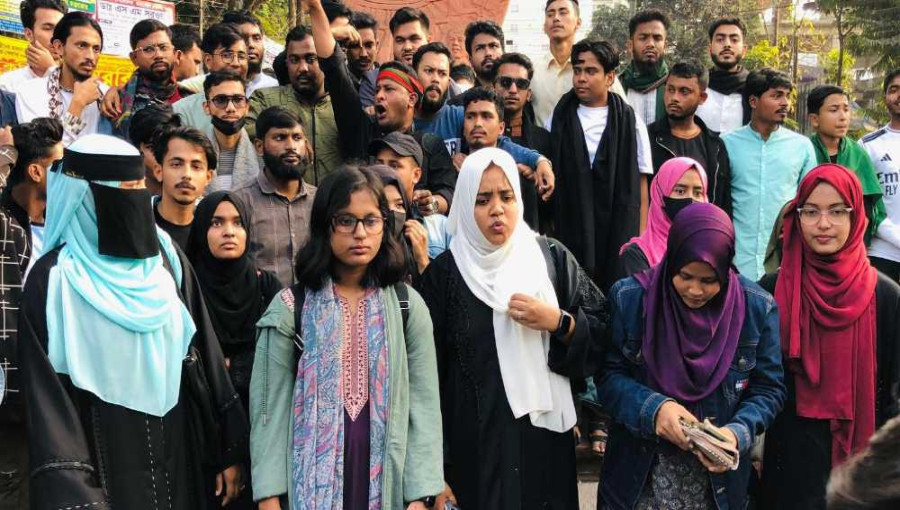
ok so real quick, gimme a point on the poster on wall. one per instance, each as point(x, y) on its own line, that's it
point(117, 17)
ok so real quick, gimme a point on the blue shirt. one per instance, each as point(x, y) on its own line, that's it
point(438, 238)
point(764, 177)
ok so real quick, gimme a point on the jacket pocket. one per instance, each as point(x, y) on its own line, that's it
point(738, 378)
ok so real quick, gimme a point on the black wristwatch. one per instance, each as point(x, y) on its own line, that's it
point(565, 322)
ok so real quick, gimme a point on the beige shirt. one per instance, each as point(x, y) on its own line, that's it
point(551, 81)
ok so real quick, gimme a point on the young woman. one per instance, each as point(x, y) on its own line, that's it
point(514, 319)
point(840, 339)
point(351, 419)
point(691, 339)
point(679, 183)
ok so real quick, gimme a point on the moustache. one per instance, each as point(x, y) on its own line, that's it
point(185, 185)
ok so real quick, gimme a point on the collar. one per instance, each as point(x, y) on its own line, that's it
point(268, 188)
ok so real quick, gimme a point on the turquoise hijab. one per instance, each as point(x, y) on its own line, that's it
point(115, 326)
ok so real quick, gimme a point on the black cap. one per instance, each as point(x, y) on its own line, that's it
point(404, 145)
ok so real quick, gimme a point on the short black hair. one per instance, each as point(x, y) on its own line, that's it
point(28, 8)
point(515, 58)
point(220, 35)
point(279, 67)
point(462, 71)
point(606, 53)
point(275, 117)
point(184, 37)
point(483, 94)
point(646, 17)
point(316, 262)
point(727, 21)
point(219, 77)
point(434, 47)
point(483, 27)
point(336, 9)
point(75, 19)
point(190, 135)
point(361, 20)
point(408, 15)
point(818, 95)
point(573, 2)
point(890, 77)
point(691, 69)
point(241, 18)
point(147, 123)
point(761, 80)
point(144, 28)
point(34, 141)
point(298, 33)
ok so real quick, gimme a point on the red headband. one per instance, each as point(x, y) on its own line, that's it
point(405, 80)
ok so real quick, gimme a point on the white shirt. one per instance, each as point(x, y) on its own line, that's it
point(33, 101)
point(722, 113)
point(593, 124)
point(883, 147)
point(644, 105)
point(11, 80)
point(260, 81)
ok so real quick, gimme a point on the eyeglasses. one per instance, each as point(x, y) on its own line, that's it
point(222, 100)
point(228, 56)
point(521, 83)
point(151, 49)
point(836, 215)
point(347, 224)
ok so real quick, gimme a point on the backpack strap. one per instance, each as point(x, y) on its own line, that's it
point(545, 245)
point(299, 297)
point(403, 297)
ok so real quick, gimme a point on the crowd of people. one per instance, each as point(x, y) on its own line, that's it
point(424, 283)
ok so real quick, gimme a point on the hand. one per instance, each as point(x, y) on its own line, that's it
point(458, 159)
point(270, 504)
point(668, 424)
point(533, 313)
point(544, 180)
point(441, 501)
point(6, 137)
point(39, 58)
point(526, 171)
point(86, 92)
point(111, 107)
point(418, 240)
point(229, 484)
point(346, 34)
point(417, 505)
point(712, 467)
point(425, 201)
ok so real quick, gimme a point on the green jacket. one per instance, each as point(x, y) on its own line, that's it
point(318, 125)
point(413, 465)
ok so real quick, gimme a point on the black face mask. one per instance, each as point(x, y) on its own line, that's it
point(125, 223)
point(398, 224)
point(227, 127)
point(673, 206)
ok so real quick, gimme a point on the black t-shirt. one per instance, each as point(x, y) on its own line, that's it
point(178, 233)
point(695, 148)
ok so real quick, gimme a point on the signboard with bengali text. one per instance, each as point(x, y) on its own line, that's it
point(116, 17)
point(113, 70)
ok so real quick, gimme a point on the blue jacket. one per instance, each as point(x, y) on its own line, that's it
point(746, 402)
point(7, 109)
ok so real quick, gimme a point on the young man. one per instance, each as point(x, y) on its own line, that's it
point(484, 44)
point(828, 109)
point(69, 92)
point(306, 97)
point(113, 342)
point(145, 127)
point(462, 75)
point(279, 202)
point(512, 84)
point(409, 31)
point(361, 55)
point(883, 147)
point(595, 133)
point(767, 162)
point(39, 144)
point(645, 76)
point(187, 163)
point(188, 55)
point(251, 29)
point(681, 133)
point(224, 49)
point(39, 18)
point(724, 110)
point(226, 105)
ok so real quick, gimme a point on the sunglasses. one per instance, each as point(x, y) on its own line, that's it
point(222, 100)
point(521, 83)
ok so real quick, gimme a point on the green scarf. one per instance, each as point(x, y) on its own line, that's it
point(632, 79)
point(855, 158)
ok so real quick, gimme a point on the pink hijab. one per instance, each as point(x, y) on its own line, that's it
point(653, 241)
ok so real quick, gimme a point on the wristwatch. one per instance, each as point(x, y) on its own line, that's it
point(565, 322)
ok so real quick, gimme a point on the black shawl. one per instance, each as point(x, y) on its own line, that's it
point(727, 83)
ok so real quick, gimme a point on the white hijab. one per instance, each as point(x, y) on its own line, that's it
point(494, 274)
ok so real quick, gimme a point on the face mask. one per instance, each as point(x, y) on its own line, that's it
point(227, 127)
point(125, 224)
point(673, 206)
point(399, 221)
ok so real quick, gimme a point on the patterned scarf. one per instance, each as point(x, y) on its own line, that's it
point(139, 92)
point(338, 371)
point(54, 89)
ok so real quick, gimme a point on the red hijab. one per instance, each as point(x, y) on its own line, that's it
point(827, 314)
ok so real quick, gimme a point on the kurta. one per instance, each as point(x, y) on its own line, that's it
point(91, 454)
point(797, 459)
point(493, 460)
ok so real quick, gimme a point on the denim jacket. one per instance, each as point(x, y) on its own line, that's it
point(746, 401)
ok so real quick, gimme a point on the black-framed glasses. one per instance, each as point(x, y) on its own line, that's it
point(836, 215)
point(222, 100)
point(229, 56)
point(507, 82)
point(151, 50)
point(347, 224)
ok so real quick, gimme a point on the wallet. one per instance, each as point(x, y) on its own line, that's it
point(706, 438)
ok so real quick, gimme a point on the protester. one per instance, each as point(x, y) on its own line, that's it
point(463, 76)
point(839, 334)
point(869, 480)
point(681, 133)
point(250, 28)
point(69, 92)
point(39, 19)
point(644, 79)
point(187, 163)
point(722, 331)
point(361, 55)
point(506, 403)
point(279, 201)
point(103, 337)
point(188, 54)
point(484, 44)
point(725, 108)
point(325, 436)
point(226, 106)
point(146, 125)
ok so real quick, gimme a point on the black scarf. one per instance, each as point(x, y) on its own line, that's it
point(598, 203)
point(725, 82)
